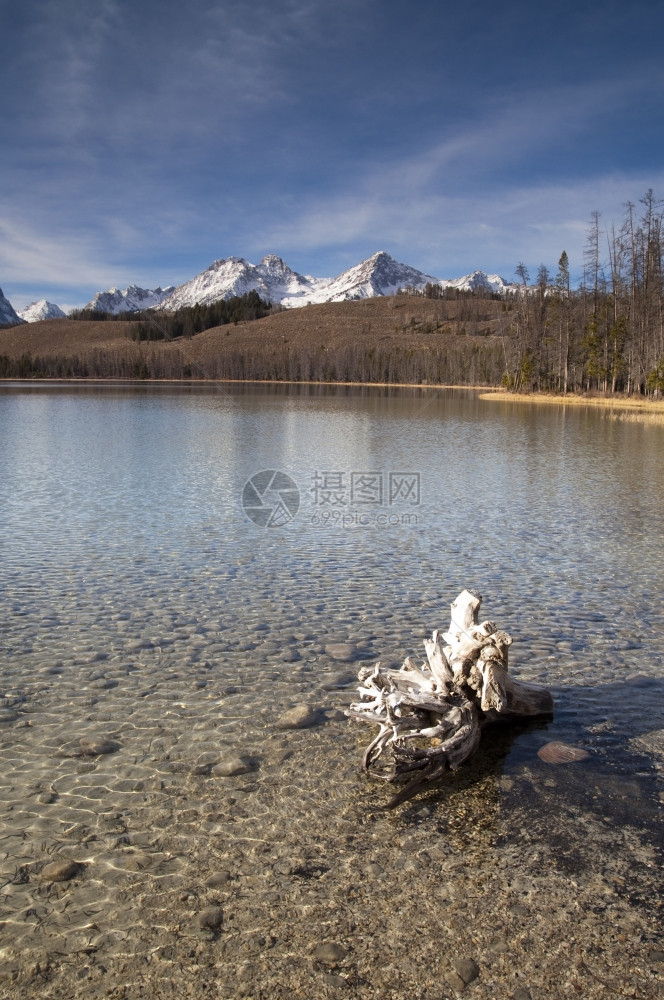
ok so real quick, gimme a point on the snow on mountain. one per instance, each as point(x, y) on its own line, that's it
point(7, 315)
point(479, 281)
point(41, 310)
point(378, 275)
point(130, 299)
point(272, 279)
point(276, 282)
point(282, 282)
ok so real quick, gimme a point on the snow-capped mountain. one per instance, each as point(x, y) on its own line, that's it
point(276, 282)
point(378, 275)
point(41, 310)
point(479, 281)
point(272, 279)
point(7, 315)
point(130, 299)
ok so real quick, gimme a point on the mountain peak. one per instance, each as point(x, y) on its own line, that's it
point(273, 264)
point(127, 300)
point(273, 259)
point(480, 281)
point(8, 317)
point(42, 309)
point(379, 274)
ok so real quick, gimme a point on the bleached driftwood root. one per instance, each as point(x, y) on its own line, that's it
point(430, 716)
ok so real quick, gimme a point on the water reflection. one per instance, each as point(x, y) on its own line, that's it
point(143, 607)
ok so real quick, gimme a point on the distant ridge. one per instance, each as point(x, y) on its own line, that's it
point(273, 280)
point(130, 299)
point(223, 279)
point(479, 281)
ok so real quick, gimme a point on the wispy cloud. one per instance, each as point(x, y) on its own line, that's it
point(167, 74)
point(64, 43)
point(147, 139)
point(71, 260)
point(477, 193)
point(448, 236)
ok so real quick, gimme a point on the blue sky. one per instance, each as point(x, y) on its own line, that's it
point(142, 140)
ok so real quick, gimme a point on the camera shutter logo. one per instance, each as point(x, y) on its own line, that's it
point(270, 499)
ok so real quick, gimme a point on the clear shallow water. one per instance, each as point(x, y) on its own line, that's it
point(143, 605)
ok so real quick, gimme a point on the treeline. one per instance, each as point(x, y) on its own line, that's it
point(608, 334)
point(462, 361)
point(449, 294)
point(152, 324)
point(189, 321)
point(98, 364)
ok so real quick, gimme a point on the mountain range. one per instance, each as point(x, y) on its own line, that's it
point(274, 281)
point(130, 299)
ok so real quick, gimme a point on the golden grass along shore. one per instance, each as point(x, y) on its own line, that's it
point(631, 408)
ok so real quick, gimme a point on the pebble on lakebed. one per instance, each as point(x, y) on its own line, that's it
point(60, 871)
point(232, 766)
point(217, 879)
point(561, 753)
point(210, 918)
point(330, 953)
point(466, 968)
point(346, 652)
point(298, 717)
point(88, 746)
point(95, 748)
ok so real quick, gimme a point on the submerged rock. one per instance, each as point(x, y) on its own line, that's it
point(298, 717)
point(561, 753)
point(336, 681)
point(88, 747)
point(60, 871)
point(651, 743)
point(217, 879)
point(95, 748)
point(210, 918)
point(466, 968)
point(233, 765)
point(344, 651)
point(330, 953)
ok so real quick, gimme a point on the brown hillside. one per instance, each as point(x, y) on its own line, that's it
point(61, 336)
point(396, 338)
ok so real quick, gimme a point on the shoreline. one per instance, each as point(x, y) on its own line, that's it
point(620, 407)
point(620, 402)
point(632, 407)
point(239, 381)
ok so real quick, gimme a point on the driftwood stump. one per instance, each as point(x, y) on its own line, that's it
point(431, 716)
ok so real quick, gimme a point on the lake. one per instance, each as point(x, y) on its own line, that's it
point(181, 565)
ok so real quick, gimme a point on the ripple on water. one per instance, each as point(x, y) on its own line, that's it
point(137, 672)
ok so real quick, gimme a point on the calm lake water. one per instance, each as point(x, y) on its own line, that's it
point(175, 561)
